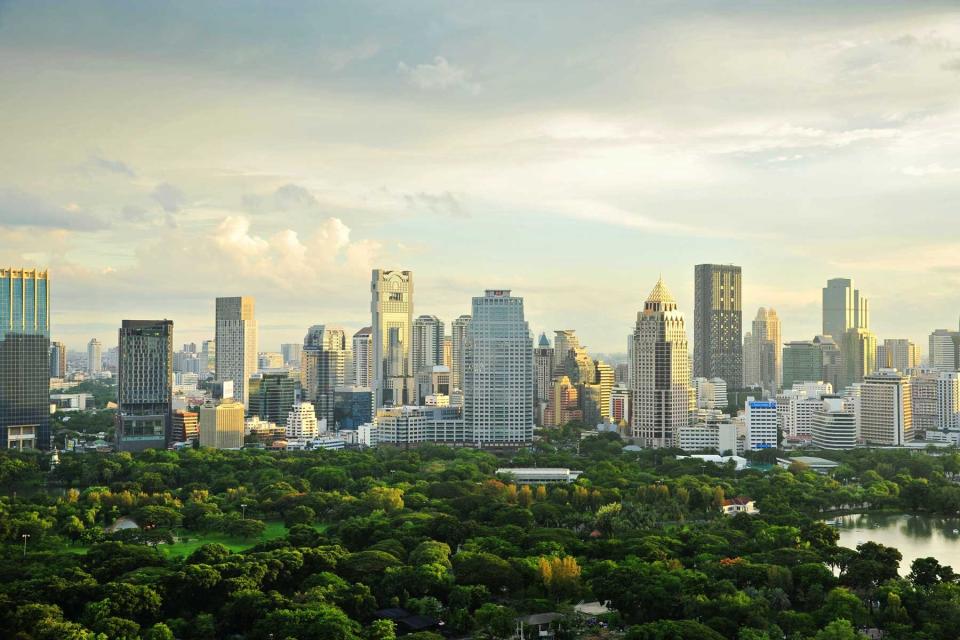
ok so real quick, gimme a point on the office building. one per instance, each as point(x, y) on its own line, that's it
point(144, 384)
point(269, 360)
point(660, 371)
point(710, 394)
point(564, 341)
point(236, 343)
point(844, 308)
point(302, 423)
point(498, 372)
point(58, 360)
point(222, 424)
point(184, 426)
point(391, 310)
point(944, 353)
point(802, 362)
point(762, 353)
point(717, 323)
point(352, 407)
point(363, 358)
point(94, 357)
point(899, 354)
point(834, 425)
point(886, 409)
point(563, 406)
point(323, 368)
point(761, 420)
point(859, 355)
point(272, 394)
point(447, 349)
point(24, 358)
point(935, 396)
point(721, 438)
point(427, 343)
point(406, 426)
point(543, 367)
point(604, 383)
point(290, 352)
point(208, 356)
point(432, 381)
point(458, 335)
point(796, 407)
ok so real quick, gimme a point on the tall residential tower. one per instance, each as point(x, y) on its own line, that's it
point(236, 342)
point(391, 309)
point(717, 323)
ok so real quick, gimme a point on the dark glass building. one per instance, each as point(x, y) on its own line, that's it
point(145, 384)
point(718, 324)
point(352, 407)
point(24, 358)
point(271, 396)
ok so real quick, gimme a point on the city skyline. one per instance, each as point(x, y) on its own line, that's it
point(781, 139)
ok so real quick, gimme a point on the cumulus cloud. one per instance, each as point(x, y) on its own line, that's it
point(169, 197)
point(438, 75)
point(113, 166)
point(21, 209)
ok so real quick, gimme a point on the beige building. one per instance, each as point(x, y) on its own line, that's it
point(886, 408)
point(236, 340)
point(859, 355)
point(661, 371)
point(899, 354)
point(222, 425)
point(391, 309)
point(762, 353)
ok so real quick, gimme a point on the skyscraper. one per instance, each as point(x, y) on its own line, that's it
point(323, 368)
point(859, 348)
point(543, 366)
point(291, 354)
point(58, 360)
point(94, 357)
point(717, 323)
point(661, 370)
point(24, 358)
point(762, 353)
point(458, 333)
point(221, 424)
point(272, 395)
point(498, 371)
point(427, 343)
point(236, 343)
point(843, 308)
point(363, 358)
point(391, 311)
point(886, 408)
point(944, 350)
point(144, 384)
point(802, 362)
point(564, 340)
point(899, 354)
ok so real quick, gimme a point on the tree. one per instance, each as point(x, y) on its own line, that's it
point(494, 621)
point(384, 498)
point(838, 630)
point(381, 630)
point(672, 630)
point(560, 576)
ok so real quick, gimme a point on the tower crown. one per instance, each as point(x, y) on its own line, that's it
point(660, 298)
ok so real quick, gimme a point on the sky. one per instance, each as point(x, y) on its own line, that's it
point(157, 155)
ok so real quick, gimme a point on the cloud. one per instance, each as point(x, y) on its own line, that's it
point(951, 65)
point(113, 166)
point(339, 59)
point(444, 203)
point(21, 209)
point(289, 197)
point(169, 197)
point(134, 213)
point(932, 169)
point(439, 75)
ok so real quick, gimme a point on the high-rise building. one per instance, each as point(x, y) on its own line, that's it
point(323, 368)
point(272, 395)
point(796, 407)
point(660, 370)
point(58, 360)
point(844, 308)
point(24, 358)
point(886, 408)
point(447, 352)
point(832, 358)
point(834, 425)
point(302, 422)
point(222, 424)
point(269, 360)
point(184, 426)
point(718, 339)
point(427, 343)
point(563, 406)
point(564, 341)
point(352, 407)
point(94, 357)
point(363, 358)
point(391, 310)
point(498, 371)
point(291, 354)
point(944, 350)
point(543, 367)
point(710, 394)
point(936, 401)
point(899, 354)
point(144, 384)
point(208, 356)
point(859, 355)
point(802, 362)
point(762, 354)
point(236, 348)
point(761, 420)
point(458, 333)
point(605, 381)
point(620, 404)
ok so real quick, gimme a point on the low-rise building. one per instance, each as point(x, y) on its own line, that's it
point(545, 475)
point(733, 506)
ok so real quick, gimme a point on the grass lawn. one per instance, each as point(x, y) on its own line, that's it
point(190, 541)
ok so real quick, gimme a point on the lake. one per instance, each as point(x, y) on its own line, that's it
point(915, 536)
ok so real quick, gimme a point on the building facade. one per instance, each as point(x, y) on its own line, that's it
point(834, 425)
point(272, 395)
point(498, 383)
point(58, 360)
point(761, 420)
point(184, 426)
point(427, 343)
point(661, 371)
point(236, 343)
point(222, 424)
point(323, 368)
point(144, 384)
point(886, 409)
point(458, 336)
point(899, 354)
point(762, 353)
point(94, 357)
point(717, 323)
point(844, 308)
point(543, 367)
point(24, 358)
point(391, 311)
point(302, 423)
point(363, 358)
point(944, 350)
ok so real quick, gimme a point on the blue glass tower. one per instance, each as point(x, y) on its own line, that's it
point(24, 358)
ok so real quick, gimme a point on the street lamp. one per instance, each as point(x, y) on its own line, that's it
point(25, 536)
point(244, 512)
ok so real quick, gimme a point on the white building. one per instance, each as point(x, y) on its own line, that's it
point(661, 371)
point(302, 422)
point(539, 475)
point(458, 337)
point(270, 360)
point(236, 343)
point(761, 420)
point(886, 409)
point(834, 425)
point(721, 438)
point(94, 357)
point(943, 350)
point(498, 375)
point(411, 425)
point(936, 401)
point(796, 407)
point(392, 314)
point(427, 343)
point(899, 354)
point(710, 393)
point(363, 358)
